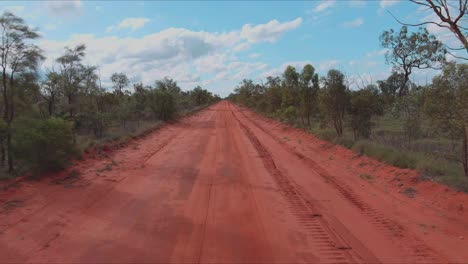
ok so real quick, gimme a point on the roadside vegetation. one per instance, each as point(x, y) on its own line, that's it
point(49, 118)
point(394, 120)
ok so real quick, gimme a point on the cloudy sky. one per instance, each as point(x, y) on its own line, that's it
point(217, 44)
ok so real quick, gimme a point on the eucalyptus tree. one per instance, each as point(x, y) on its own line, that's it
point(18, 56)
point(290, 87)
point(50, 90)
point(200, 96)
point(119, 82)
point(447, 105)
point(309, 86)
point(363, 105)
point(334, 99)
point(389, 87)
point(273, 93)
point(73, 73)
point(409, 51)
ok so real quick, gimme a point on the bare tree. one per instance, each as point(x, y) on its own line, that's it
point(451, 15)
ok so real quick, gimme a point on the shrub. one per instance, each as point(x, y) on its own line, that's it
point(162, 104)
point(363, 105)
point(44, 145)
point(289, 113)
point(344, 141)
point(325, 134)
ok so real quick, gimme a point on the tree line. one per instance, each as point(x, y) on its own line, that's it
point(302, 97)
point(46, 114)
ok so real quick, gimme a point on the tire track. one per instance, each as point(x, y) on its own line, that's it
point(418, 251)
point(329, 247)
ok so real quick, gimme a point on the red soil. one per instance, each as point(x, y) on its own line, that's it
point(227, 185)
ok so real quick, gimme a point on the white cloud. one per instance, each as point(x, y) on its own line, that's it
point(64, 8)
point(353, 23)
point(168, 48)
point(363, 63)
point(324, 5)
point(132, 23)
point(328, 65)
point(377, 53)
point(386, 3)
point(14, 9)
point(50, 26)
point(254, 55)
point(269, 32)
point(357, 3)
point(190, 57)
point(242, 46)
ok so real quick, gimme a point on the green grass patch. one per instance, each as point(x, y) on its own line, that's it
point(385, 154)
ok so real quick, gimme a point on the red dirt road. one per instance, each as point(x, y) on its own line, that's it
point(228, 186)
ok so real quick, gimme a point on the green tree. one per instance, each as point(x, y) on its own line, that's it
point(51, 91)
point(290, 88)
point(162, 103)
point(389, 87)
point(119, 82)
point(363, 105)
point(334, 99)
point(19, 56)
point(73, 74)
point(245, 93)
point(201, 96)
point(409, 109)
point(418, 50)
point(447, 105)
point(309, 86)
point(273, 94)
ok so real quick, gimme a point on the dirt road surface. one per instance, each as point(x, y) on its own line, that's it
point(228, 186)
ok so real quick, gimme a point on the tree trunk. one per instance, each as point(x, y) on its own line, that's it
point(11, 115)
point(2, 151)
point(9, 150)
point(338, 127)
point(51, 105)
point(70, 105)
point(5, 96)
point(403, 87)
point(465, 151)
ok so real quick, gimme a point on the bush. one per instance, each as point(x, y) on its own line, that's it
point(289, 113)
point(44, 145)
point(327, 134)
point(163, 104)
point(363, 105)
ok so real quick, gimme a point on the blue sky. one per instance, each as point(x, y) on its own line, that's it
point(217, 44)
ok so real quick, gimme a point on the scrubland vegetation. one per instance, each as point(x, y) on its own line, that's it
point(422, 127)
point(50, 118)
